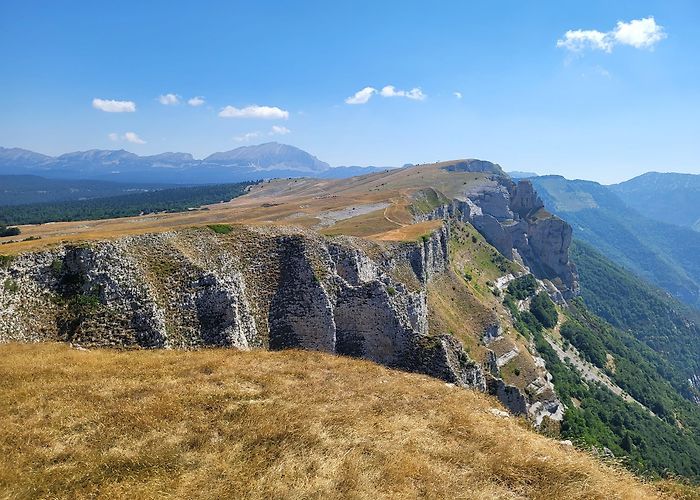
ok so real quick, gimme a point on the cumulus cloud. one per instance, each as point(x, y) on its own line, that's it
point(391, 91)
point(579, 40)
point(131, 137)
point(169, 99)
point(247, 137)
point(254, 111)
point(361, 96)
point(458, 95)
point(196, 101)
point(279, 130)
point(112, 106)
point(638, 33)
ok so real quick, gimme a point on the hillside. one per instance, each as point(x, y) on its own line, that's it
point(666, 255)
point(223, 423)
point(423, 269)
point(651, 315)
point(665, 197)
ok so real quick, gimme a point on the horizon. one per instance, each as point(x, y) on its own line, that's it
point(506, 170)
point(599, 91)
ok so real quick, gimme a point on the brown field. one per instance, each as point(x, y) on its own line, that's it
point(299, 202)
point(230, 424)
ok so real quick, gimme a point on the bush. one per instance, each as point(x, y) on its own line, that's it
point(9, 231)
point(220, 228)
point(544, 310)
point(523, 287)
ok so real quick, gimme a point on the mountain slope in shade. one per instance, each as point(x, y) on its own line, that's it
point(666, 255)
point(666, 197)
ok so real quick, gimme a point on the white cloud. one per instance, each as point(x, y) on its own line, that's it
point(279, 130)
point(579, 40)
point(361, 96)
point(111, 106)
point(415, 93)
point(638, 33)
point(196, 101)
point(458, 95)
point(169, 99)
point(133, 138)
point(364, 95)
point(247, 137)
point(254, 111)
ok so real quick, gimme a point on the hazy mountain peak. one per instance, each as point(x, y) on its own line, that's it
point(270, 155)
point(22, 155)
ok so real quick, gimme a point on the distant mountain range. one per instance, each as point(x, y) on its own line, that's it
point(666, 197)
point(665, 254)
point(245, 163)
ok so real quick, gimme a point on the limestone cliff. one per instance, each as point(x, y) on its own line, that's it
point(253, 288)
point(512, 218)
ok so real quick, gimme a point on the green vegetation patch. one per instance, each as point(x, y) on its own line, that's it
point(9, 231)
point(220, 228)
point(544, 310)
point(522, 287)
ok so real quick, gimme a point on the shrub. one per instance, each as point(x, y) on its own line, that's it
point(523, 287)
point(9, 231)
point(220, 228)
point(11, 285)
point(544, 310)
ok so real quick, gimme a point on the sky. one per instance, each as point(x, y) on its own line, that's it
point(596, 90)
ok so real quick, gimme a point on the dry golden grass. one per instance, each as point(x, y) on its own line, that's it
point(228, 424)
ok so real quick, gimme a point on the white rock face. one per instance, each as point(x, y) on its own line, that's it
point(254, 288)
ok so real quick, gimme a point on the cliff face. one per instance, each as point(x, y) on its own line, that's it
point(254, 288)
point(273, 289)
point(512, 218)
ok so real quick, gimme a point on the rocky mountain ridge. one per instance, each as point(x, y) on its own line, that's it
point(244, 163)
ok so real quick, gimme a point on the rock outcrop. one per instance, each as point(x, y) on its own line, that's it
point(512, 218)
point(253, 288)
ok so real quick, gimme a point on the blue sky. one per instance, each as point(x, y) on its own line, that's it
point(609, 102)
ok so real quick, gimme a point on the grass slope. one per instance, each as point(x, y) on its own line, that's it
point(222, 423)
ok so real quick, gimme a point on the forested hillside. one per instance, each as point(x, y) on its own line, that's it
point(166, 200)
point(666, 255)
point(658, 435)
point(667, 197)
point(651, 315)
point(25, 189)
